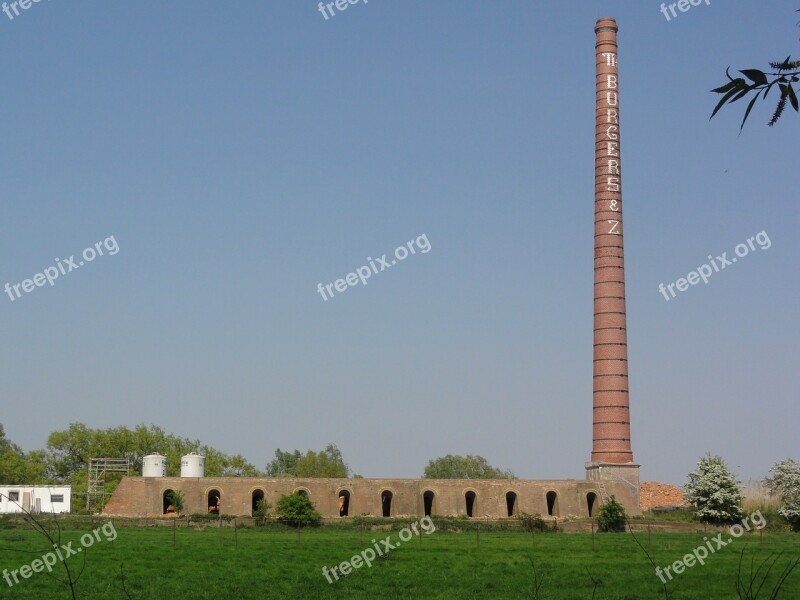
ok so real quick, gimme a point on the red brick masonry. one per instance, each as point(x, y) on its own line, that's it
point(611, 435)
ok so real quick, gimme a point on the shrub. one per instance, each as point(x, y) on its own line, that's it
point(785, 484)
point(261, 513)
point(297, 509)
point(535, 523)
point(715, 492)
point(611, 516)
point(210, 518)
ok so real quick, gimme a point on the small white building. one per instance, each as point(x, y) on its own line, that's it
point(35, 498)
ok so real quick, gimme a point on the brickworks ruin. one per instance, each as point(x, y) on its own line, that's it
point(611, 470)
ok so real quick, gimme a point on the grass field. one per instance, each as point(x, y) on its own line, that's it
point(211, 563)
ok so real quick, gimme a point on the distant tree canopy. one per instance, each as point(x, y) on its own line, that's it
point(327, 463)
point(784, 73)
point(5, 443)
point(69, 451)
point(18, 467)
point(454, 466)
point(284, 464)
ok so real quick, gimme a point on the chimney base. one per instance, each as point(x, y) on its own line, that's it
point(626, 474)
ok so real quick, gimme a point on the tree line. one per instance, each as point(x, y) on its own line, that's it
point(66, 456)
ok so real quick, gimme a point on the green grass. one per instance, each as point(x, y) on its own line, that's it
point(206, 564)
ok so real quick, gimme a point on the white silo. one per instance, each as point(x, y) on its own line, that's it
point(193, 465)
point(154, 465)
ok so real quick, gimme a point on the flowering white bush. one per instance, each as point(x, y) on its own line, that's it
point(714, 491)
point(785, 483)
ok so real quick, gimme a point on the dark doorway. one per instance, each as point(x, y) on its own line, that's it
point(552, 504)
point(591, 500)
point(168, 510)
point(471, 500)
point(386, 503)
point(428, 500)
point(511, 503)
point(258, 496)
point(214, 501)
point(344, 503)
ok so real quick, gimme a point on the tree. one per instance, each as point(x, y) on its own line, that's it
point(175, 498)
point(715, 491)
point(327, 463)
point(611, 516)
point(455, 466)
point(18, 467)
point(784, 74)
point(297, 509)
point(284, 464)
point(785, 483)
point(70, 450)
point(5, 443)
point(237, 466)
point(261, 513)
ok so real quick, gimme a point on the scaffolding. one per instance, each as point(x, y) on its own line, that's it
point(96, 486)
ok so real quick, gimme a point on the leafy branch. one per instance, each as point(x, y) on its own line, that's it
point(738, 88)
point(785, 73)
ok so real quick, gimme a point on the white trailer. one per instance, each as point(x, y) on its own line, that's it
point(35, 498)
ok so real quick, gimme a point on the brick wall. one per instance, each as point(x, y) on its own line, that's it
point(143, 496)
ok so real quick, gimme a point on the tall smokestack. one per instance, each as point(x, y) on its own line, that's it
point(611, 430)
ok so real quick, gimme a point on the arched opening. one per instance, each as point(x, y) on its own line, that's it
point(386, 503)
point(167, 504)
point(344, 503)
point(511, 504)
point(428, 502)
point(214, 501)
point(301, 492)
point(591, 500)
point(256, 497)
point(552, 504)
point(471, 500)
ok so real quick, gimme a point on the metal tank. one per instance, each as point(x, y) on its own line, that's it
point(193, 465)
point(154, 465)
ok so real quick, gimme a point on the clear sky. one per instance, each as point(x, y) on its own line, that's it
point(242, 153)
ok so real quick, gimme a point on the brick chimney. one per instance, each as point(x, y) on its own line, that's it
point(611, 430)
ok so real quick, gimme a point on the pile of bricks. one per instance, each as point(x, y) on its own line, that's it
point(652, 493)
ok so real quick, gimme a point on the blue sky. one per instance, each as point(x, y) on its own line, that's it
point(240, 154)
